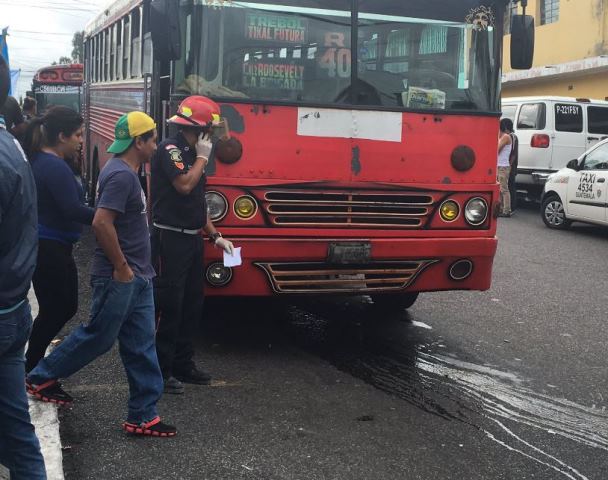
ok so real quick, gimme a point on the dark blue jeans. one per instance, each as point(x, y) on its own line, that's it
point(118, 310)
point(19, 447)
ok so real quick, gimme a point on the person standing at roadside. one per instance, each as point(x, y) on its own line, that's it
point(19, 447)
point(179, 213)
point(13, 117)
point(51, 143)
point(513, 162)
point(29, 109)
point(122, 304)
point(505, 145)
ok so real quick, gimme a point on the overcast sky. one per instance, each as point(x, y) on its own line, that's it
point(41, 31)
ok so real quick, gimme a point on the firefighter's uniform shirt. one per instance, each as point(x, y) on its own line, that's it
point(174, 157)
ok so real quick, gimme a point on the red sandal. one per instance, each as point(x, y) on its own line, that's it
point(153, 428)
point(50, 392)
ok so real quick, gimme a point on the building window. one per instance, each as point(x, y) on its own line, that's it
point(511, 10)
point(549, 11)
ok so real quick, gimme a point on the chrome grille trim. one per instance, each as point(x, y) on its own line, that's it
point(320, 277)
point(348, 209)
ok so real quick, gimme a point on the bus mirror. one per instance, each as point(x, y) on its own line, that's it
point(164, 25)
point(522, 42)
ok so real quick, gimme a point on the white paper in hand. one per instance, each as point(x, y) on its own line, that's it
point(233, 260)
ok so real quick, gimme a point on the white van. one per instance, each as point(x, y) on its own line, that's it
point(551, 132)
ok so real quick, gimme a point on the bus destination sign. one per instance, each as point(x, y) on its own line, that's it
point(276, 28)
point(57, 89)
point(273, 75)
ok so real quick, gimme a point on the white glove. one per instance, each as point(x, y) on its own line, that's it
point(225, 245)
point(203, 146)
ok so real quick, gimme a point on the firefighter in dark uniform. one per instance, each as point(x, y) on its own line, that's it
point(179, 214)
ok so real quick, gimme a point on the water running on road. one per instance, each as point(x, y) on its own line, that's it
point(399, 361)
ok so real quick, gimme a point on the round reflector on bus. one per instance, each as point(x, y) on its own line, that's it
point(245, 207)
point(463, 158)
point(228, 150)
point(449, 211)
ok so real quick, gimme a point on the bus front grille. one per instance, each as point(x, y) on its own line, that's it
point(348, 209)
point(313, 277)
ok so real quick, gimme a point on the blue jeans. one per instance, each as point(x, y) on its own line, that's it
point(118, 310)
point(19, 447)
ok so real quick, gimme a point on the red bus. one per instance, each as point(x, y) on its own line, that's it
point(58, 85)
point(368, 132)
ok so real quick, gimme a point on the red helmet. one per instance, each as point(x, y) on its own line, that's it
point(196, 111)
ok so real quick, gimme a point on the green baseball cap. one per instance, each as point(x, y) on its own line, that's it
point(129, 126)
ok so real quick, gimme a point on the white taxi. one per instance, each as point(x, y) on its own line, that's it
point(578, 192)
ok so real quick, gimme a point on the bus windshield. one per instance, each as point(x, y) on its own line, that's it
point(420, 54)
point(51, 95)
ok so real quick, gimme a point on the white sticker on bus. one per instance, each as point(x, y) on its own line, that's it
point(359, 124)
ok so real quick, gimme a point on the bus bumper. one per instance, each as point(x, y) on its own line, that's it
point(328, 266)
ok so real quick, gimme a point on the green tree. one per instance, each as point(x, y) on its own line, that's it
point(78, 44)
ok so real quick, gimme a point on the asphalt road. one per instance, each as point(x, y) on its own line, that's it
point(506, 384)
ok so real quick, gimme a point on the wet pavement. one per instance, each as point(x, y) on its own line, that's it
point(506, 384)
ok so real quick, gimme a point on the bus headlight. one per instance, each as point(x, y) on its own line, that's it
point(476, 211)
point(217, 205)
point(449, 211)
point(245, 207)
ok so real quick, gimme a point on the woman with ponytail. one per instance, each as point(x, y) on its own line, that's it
point(52, 144)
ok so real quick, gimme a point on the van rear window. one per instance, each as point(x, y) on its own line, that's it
point(532, 116)
point(598, 120)
point(568, 118)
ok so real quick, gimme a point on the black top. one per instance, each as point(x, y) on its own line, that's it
point(11, 111)
point(18, 220)
point(169, 207)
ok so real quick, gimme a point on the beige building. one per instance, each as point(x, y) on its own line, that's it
point(571, 54)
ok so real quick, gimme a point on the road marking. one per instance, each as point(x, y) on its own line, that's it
point(46, 421)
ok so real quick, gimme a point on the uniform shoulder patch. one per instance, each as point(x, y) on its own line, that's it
point(170, 146)
point(176, 155)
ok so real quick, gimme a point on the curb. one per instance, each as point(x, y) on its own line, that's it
point(46, 421)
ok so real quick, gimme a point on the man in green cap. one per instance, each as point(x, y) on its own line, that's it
point(121, 276)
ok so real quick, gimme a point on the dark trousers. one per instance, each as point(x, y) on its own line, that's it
point(178, 292)
point(56, 286)
point(19, 447)
point(512, 188)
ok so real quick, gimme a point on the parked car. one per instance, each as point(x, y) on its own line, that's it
point(551, 132)
point(578, 192)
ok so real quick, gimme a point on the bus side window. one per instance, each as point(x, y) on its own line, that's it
point(136, 43)
point(112, 56)
point(126, 47)
point(147, 63)
point(119, 45)
point(106, 54)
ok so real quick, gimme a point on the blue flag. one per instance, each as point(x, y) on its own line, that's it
point(4, 45)
point(4, 52)
point(14, 80)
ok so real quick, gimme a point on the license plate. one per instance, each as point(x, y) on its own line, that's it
point(349, 253)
